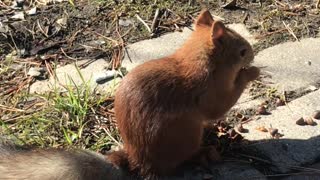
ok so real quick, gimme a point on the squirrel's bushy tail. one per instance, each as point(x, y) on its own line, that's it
point(119, 158)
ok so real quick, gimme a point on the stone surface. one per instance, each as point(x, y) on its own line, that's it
point(137, 53)
point(91, 73)
point(143, 51)
point(292, 65)
point(230, 171)
point(34, 72)
point(299, 145)
point(165, 45)
point(289, 66)
point(309, 173)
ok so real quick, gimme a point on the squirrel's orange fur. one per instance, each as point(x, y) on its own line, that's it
point(160, 106)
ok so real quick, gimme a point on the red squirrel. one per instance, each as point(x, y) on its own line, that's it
point(161, 105)
point(160, 108)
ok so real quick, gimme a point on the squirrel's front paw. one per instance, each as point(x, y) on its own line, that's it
point(252, 73)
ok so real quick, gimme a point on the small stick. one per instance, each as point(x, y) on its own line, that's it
point(10, 108)
point(155, 20)
point(269, 33)
point(144, 23)
point(111, 137)
point(290, 30)
point(64, 53)
point(42, 31)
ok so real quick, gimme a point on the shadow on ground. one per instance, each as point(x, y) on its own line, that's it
point(264, 159)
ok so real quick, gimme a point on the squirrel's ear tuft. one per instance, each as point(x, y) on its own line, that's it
point(204, 19)
point(217, 30)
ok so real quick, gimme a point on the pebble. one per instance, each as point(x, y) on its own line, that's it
point(316, 114)
point(35, 72)
point(18, 16)
point(32, 11)
point(125, 22)
point(101, 78)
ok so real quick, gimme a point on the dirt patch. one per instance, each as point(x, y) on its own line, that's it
point(90, 29)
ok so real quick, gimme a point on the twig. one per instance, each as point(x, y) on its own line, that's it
point(155, 20)
point(14, 43)
point(10, 108)
point(67, 55)
point(144, 23)
point(49, 69)
point(244, 18)
point(117, 63)
point(127, 32)
point(290, 30)
point(279, 3)
point(108, 133)
point(108, 38)
point(41, 30)
point(269, 33)
point(27, 81)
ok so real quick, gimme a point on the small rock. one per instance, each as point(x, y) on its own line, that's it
point(300, 122)
point(309, 121)
point(22, 52)
point(265, 103)
point(62, 22)
point(273, 132)
point(106, 76)
point(32, 11)
point(309, 63)
point(316, 114)
point(35, 72)
point(280, 102)
point(305, 121)
point(262, 110)
point(125, 22)
point(3, 28)
point(18, 16)
point(229, 5)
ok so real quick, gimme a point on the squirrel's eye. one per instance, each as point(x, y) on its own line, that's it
point(243, 52)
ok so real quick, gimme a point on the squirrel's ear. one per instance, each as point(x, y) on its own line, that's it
point(217, 30)
point(204, 19)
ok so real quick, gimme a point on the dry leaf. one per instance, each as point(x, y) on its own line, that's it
point(262, 129)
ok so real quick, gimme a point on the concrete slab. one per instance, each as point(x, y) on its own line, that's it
point(292, 65)
point(299, 145)
point(146, 50)
point(137, 53)
point(165, 45)
point(90, 74)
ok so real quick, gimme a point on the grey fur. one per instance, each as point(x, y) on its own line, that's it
point(55, 165)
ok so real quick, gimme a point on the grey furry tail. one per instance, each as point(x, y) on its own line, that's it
point(54, 164)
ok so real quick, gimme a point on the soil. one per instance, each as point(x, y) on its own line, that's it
point(89, 30)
